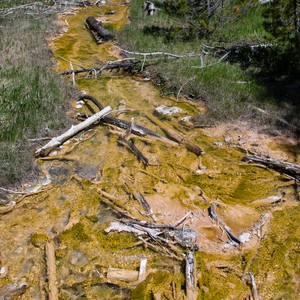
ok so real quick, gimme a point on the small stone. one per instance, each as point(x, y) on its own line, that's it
point(218, 144)
point(198, 172)
point(227, 139)
point(168, 110)
point(77, 257)
point(205, 289)
point(3, 272)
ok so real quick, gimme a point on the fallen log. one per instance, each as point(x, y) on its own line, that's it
point(57, 141)
point(127, 66)
point(214, 217)
point(129, 145)
point(190, 276)
point(289, 169)
point(144, 203)
point(51, 270)
point(175, 136)
point(135, 129)
point(253, 287)
point(122, 274)
point(100, 33)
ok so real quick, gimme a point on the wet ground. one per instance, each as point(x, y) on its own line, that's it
point(90, 181)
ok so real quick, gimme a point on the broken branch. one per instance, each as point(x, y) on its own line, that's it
point(57, 141)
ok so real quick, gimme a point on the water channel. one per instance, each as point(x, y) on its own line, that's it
point(72, 210)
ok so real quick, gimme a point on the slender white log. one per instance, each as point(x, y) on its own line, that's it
point(57, 141)
point(142, 271)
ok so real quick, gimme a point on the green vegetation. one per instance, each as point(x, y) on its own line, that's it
point(231, 86)
point(32, 99)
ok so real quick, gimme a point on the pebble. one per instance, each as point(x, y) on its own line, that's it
point(219, 144)
point(3, 271)
point(168, 110)
point(77, 257)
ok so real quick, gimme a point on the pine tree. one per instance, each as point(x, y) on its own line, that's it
point(282, 20)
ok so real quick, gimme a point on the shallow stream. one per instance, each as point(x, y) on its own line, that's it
point(72, 210)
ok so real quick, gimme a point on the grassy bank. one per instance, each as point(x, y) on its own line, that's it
point(230, 91)
point(32, 99)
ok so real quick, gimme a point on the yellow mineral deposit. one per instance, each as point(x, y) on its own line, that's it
point(73, 214)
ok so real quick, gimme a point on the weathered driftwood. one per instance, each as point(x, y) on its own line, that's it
point(51, 270)
point(212, 214)
point(4, 209)
point(100, 33)
point(129, 145)
point(126, 66)
point(142, 270)
point(190, 276)
point(269, 200)
point(114, 202)
point(122, 274)
point(253, 287)
point(135, 129)
point(57, 141)
point(185, 237)
point(144, 203)
point(175, 136)
point(289, 169)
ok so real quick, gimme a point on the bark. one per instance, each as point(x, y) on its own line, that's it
point(129, 145)
point(289, 169)
point(190, 276)
point(57, 141)
point(135, 129)
point(127, 66)
point(175, 136)
point(100, 33)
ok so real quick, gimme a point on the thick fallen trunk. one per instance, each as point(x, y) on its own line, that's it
point(135, 129)
point(289, 169)
point(175, 136)
point(99, 32)
point(57, 141)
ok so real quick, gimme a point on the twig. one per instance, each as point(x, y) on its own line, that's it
point(192, 78)
point(144, 54)
point(202, 67)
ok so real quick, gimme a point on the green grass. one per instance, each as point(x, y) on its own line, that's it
point(32, 99)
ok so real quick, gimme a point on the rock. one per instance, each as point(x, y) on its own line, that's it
point(12, 291)
point(205, 289)
point(3, 272)
point(168, 110)
point(227, 139)
point(218, 144)
point(88, 172)
point(77, 257)
point(187, 120)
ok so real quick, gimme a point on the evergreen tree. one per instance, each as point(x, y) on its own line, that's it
point(282, 20)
